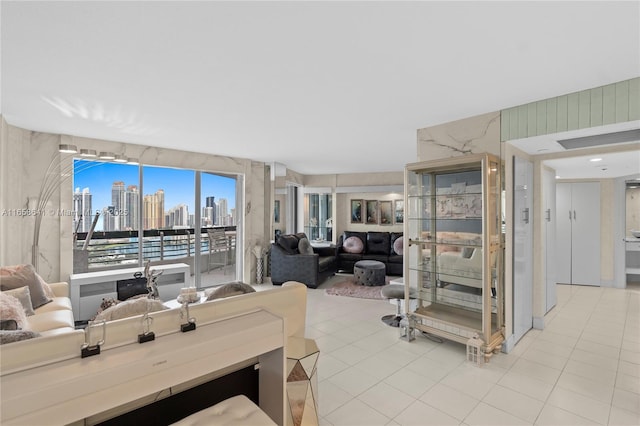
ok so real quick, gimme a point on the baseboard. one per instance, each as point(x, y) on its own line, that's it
point(538, 323)
point(508, 344)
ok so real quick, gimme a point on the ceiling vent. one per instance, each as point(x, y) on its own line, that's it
point(599, 140)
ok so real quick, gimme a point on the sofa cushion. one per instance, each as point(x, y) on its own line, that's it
point(304, 246)
point(353, 245)
point(13, 277)
point(325, 263)
point(58, 303)
point(51, 320)
point(378, 243)
point(289, 243)
point(23, 295)
point(12, 309)
point(395, 258)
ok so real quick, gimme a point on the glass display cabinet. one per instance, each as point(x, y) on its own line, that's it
point(454, 250)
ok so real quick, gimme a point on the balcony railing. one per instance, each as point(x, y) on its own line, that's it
point(121, 248)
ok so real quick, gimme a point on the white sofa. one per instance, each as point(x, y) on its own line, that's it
point(61, 343)
point(456, 268)
point(55, 317)
point(288, 302)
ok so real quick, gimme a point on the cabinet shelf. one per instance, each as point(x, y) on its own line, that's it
point(454, 250)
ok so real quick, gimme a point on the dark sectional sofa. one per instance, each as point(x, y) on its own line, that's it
point(288, 263)
point(375, 246)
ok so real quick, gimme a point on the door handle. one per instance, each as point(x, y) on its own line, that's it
point(574, 215)
point(525, 215)
point(548, 215)
point(569, 214)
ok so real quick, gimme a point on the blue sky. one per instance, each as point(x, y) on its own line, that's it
point(178, 184)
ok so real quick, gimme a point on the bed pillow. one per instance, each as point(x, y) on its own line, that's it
point(24, 275)
point(24, 296)
point(11, 309)
point(353, 245)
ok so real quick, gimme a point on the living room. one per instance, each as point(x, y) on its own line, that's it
point(330, 163)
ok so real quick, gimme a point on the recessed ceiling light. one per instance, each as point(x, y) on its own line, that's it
point(557, 177)
point(593, 160)
point(543, 150)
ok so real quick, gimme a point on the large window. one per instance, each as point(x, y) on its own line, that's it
point(122, 210)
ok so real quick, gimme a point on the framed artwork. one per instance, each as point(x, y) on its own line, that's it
point(356, 211)
point(398, 211)
point(386, 212)
point(276, 211)
point(371, 212)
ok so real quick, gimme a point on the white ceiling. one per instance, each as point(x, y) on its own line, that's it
point(322, 87)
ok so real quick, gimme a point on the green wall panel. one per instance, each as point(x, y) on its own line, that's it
point(562, 114)
point(552, 115)
point(613, 103)
point(634, 99)
point(622, 101)
point(541, 119)
point(596, 107)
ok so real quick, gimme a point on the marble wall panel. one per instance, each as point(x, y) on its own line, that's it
point(28, 157)
point(472, 135)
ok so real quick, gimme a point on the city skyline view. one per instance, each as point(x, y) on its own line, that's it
point(178, 185)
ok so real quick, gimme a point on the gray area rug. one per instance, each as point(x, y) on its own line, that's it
point(350, 288)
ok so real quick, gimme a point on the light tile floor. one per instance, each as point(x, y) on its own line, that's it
point(583, 368)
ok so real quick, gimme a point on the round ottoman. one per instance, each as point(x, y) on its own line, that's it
point(369, 272)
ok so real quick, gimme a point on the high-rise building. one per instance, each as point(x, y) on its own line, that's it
point(118, 203)
point(132, 208)
point(207, 216)
point(109, 219)
point(82, 212)
point(153, 205)
point(223, 212)
point(211, 203)
point(178, 217)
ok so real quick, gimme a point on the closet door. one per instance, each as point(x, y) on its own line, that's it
point(585, 233)
point(578, 233)
point(549, 225)
point(563, 233)
point(522, 247)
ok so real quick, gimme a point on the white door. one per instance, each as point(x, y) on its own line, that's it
point(578, 233)
point(549, 224)
point(563, 233)
point(522, 247)
point(585, 233)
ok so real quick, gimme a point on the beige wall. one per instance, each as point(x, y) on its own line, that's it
point(23, 167)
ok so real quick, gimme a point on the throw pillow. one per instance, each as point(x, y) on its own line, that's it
point(289, 243)
point(24, 275)
point(398, 246)
point(23, 295)
point(304, 246)
point(10, 336)
point(353, 245)
point(11, 309)
point(130, 308)
point(228, 290)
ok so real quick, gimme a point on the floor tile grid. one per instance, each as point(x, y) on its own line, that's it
point(365, 358)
